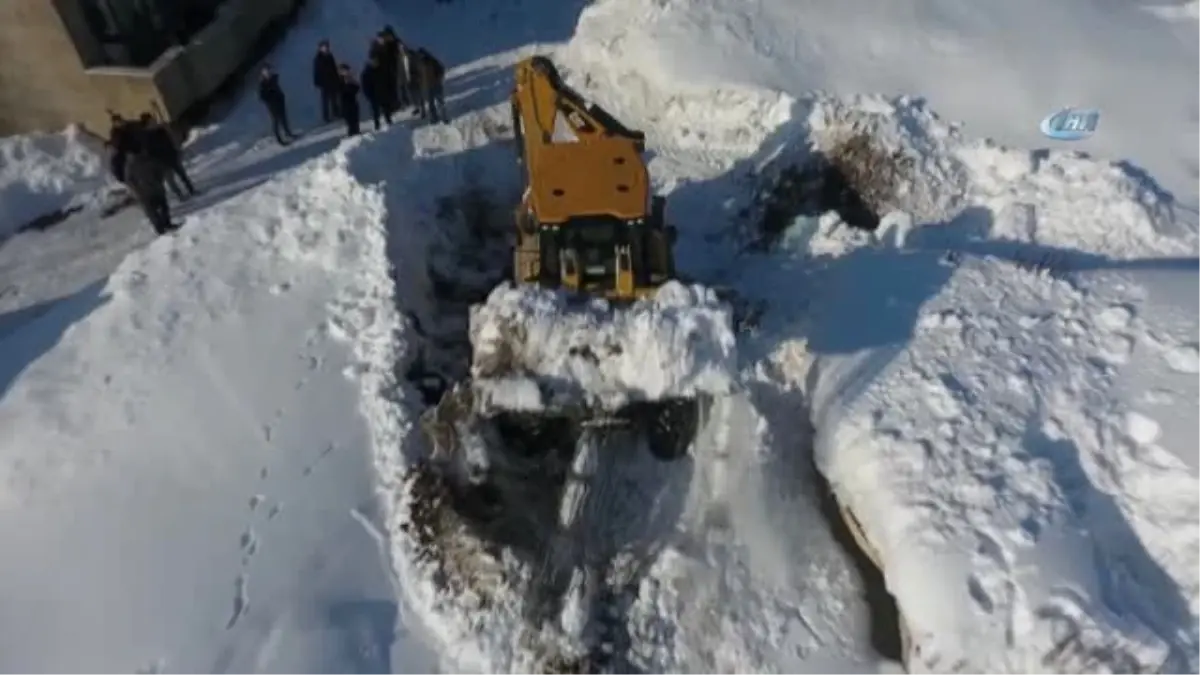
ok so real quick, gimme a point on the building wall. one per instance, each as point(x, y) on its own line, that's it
point(42, 79)
point(45, 83)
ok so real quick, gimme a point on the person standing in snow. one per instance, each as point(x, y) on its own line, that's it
point(374, 81)
point(430, 81)
point(272, 96)
point(161, 147)
point(381, 52)
point(349, 100)
point(393, 68)
point(327, 81)
point(144, 176)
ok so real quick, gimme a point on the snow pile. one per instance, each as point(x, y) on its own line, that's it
point(537, 348)
point(191, 428)
point(42, 173)
point(960, 57)
point(982, 412)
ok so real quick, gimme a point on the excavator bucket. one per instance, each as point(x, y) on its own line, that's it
point(545, 357)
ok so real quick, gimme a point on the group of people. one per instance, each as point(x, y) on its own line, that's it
point(146, 159)
point(394, 77)
point(144, 156)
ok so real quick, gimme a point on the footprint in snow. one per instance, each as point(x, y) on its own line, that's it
point(248, 543)
point(241, 601)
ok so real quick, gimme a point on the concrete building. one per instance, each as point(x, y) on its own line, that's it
point(71, 61)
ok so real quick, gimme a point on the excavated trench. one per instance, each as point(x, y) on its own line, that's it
point(513, 510)
point(510, 512)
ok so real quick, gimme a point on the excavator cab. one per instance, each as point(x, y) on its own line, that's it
point(587, 222)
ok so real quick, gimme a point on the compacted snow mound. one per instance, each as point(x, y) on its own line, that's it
point(988, 392)
point(537, 341)
point(42, 173)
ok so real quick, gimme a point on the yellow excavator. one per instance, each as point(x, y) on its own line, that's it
point(588, 226)
point(587, 222)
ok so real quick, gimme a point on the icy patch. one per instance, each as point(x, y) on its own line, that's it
point(541, 348)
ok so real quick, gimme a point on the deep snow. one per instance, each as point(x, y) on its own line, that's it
point(1000, 382)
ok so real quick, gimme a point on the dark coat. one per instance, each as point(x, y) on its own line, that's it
point(430, 72)
point(325, 71)
point(116, 164)
point(374, 83)
point(161, 145)
point(389, 62)
point(349, 93)
point(271, 93)
point(144, 176)
point(126, 137)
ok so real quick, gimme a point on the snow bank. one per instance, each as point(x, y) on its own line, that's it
point(42, 173)
point(960, 57)
point(186, 465)
point(535, 348)
point(980, 409)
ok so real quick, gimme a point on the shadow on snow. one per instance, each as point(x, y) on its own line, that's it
point(29, 333)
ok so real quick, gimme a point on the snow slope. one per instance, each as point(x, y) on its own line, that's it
point(187, 472)
point(43, 173)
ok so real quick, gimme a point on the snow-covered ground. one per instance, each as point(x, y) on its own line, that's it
point(1000, 384)
point(187, 475)
point(47, 172)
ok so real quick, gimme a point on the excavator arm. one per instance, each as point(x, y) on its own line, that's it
point(588, 221)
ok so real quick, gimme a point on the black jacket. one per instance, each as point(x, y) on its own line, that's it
point(373, 83)
point(144, 176)
point(160, 144)
point(349, 93)
point(389, 61)
point(325, 71)
point(430, 72)
point(271, 93)
point(126, 137)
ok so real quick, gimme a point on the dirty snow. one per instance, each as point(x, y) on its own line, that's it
point(41, 173)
